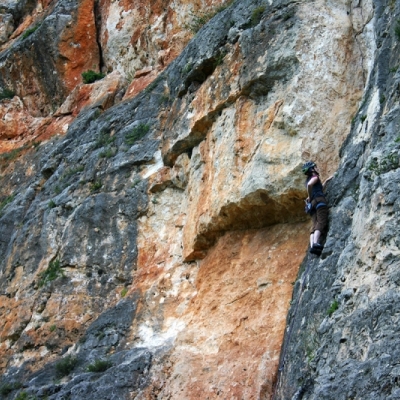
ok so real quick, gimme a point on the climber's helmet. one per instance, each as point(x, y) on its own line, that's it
point(308, 166)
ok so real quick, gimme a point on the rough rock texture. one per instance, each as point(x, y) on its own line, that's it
point(343, 330)
point(47, 59)
point(50, 44)
point(229, 315)
point(145, 36)
point(159, 226)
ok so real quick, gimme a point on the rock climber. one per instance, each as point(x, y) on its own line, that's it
point(316, 204)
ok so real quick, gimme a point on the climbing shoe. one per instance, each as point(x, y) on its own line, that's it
point(316, 249)
point(318, 246)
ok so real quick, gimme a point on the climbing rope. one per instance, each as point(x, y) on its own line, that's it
point(289, 334)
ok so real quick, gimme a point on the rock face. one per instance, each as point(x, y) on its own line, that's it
point(41, 70)
point(52, 43)
point(152, 222)
point(344, 335)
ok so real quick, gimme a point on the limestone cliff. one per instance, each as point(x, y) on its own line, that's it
point(152, 223)
point(343, 340)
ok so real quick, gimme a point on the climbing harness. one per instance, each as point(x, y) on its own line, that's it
point(289, 334)
point(308, 208)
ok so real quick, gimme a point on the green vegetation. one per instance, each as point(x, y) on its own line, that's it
point(99, 366)
point(397, 29)
point(311, 341)
point(6, 94)
point(130, 75)
point(100, 335)
point(96, 114)
point(256, 16)
point(62, 182)
point(72, 171)
point(135, 182)
point(7, 388)
point(104, 139)
point(334, 306)
point(394, 69)
point(382, 99)
point(374, 167)
point(29, 32)
point(199, 18)
point(108, 153)
point(310, 354)
point(6, 201)
point(22, 396)
point(52, 204)
point(65, 366)
point(387, 163)
point(355, 192)
point(187, 68)
point(124, 291)
point(137, 133)
point(13, 154)
point(95, 186)
point(57, 189)
point(219, 59)
point(363, 118)
point(53, 271)
point(153, 84)
point(164, 99)
point(91, 76)
point(288, 15)
point(53, 328)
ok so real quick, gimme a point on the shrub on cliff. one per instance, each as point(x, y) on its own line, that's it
point(7, 388)
point(99, 366)
point(95, 186)
point(6, 201)
point(29, 32)
point(104, 139)
point(52, 272)
point(65, 366)
point(256, 16)
point(137, 133)
point(23, 396)
point(91, 76)
point(11, 155)
point(108, 153)
point(6, 94)
point(397, 29)
point(334, 306)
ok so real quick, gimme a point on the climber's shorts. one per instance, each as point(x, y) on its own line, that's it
point(320, 219)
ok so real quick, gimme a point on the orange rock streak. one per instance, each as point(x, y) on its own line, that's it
point(79, 46)
point(234, 324)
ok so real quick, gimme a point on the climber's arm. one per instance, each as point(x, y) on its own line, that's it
point(326, 181)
